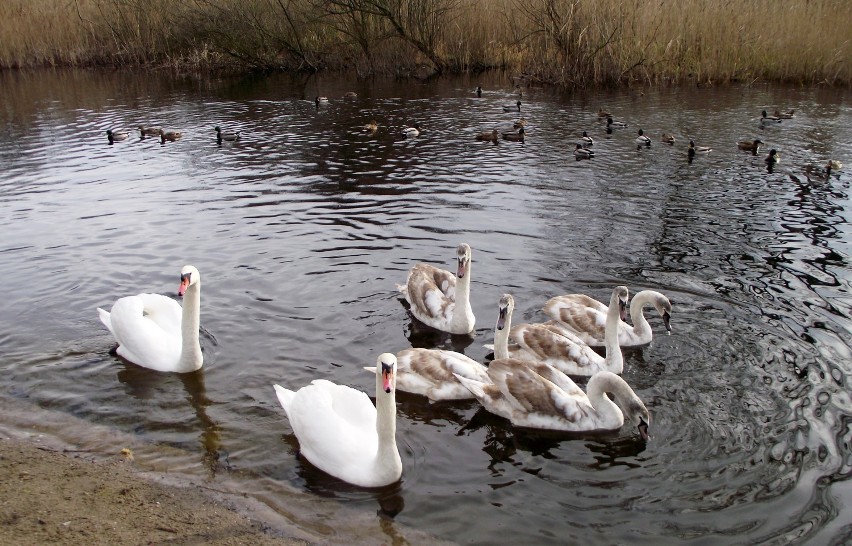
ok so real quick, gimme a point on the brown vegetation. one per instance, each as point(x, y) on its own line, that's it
point(573, 43)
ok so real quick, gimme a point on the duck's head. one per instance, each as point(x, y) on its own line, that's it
point(463, 256)
point(763, 114)
point(217, 129)
point(579, 146)
point(641, 132)
point(189, 276)
point(504, 310)
point(386, 370)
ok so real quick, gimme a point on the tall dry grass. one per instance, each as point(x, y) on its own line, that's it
point(573, 43)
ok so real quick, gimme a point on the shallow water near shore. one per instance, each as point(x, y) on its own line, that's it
point(302, 228)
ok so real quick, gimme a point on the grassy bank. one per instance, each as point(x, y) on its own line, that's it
point(574, 43)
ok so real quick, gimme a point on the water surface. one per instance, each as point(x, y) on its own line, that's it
point(303, 227)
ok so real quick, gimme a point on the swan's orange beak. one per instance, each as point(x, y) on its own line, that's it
point(387, 377)
point(184, 284)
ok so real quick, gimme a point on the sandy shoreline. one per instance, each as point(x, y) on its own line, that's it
point(51, 496)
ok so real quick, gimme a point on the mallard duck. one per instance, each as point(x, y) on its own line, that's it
point(148, 131)
point(583, 153)
point(520, 123)
point(750, 145)
point(478, 90)
point(766, 119)
point(230, 136)
point(509, 108)
point(612, 124)
point(115, 136)
point(342, 433)
point(515, 137)
point(411, 132)
point(586, 317)
point(171, 136)
point(586, 140)
point(642, 140)
point(603, 113)
point(371, 127)
point(790, 114)
point(320, 100)
point(699, 149)
point(832, 165)
point(489, 136)
point(440, 299)
point(773, 158)
point(667, 138)
point(350, 95)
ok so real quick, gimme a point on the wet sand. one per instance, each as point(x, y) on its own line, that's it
point(52, 496)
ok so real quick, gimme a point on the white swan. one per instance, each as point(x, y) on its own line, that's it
point(154, 332)
point(556, 346)
point(342, 433)
point(440, 300)
point(586, 317)
point(430, 372)
point(527, 399)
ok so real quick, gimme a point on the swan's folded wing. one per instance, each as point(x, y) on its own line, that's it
point(536, 395)
point(441, 278)
point(552, 347)
point(438, 366)
point(584, 320)
point(426, 299)
point(140, 339)
point(164, 311)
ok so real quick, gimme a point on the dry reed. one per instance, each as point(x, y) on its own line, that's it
point(573, 43)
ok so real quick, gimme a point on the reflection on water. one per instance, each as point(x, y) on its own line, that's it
point(304, 226)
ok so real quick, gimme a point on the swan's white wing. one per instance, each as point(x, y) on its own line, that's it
point(164, 311)
point(336, 428)
point(140, 339)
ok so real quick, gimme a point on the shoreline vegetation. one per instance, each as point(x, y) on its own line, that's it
point(568, 43)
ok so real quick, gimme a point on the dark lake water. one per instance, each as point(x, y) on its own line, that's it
point(303, 227)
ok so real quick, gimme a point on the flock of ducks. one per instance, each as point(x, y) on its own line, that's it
point(339, 429)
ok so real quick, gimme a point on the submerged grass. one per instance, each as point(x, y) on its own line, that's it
point(573, 43)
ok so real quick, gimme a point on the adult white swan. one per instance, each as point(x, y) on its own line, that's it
point(527, 399)
point(342, 433)
point(439, 299)
point(154, 332)
point(553, 345)
point(586, 317)
point(430, 372)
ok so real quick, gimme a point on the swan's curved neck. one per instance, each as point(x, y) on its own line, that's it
point(637, 315)
point(462, 313)
point(614, 358)
point(609, 414)
point(501, 337)
point(388, 460)
point(191, 358)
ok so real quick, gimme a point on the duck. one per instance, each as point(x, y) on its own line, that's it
point(489, 136)
point(583, 153)
point(230, 136)
point(551, 344)
point(440, 299)
point(478, 90)
point(320, 100)
point(750, 145)
point(515, 137)
point(520, 123)
point(342, 433)
point(171, 136)
point(586, 140)
point(766, 119)
point(586, 317)
point(773, 158)
point(667, 138)
point(612, 123)
point(148, 131)
point(603, 113)
point(115, 136)
point(643, 140)
point(371, 127)
point(350, 95)
point(832, 165)
point(411, 132)
point(790, 114)
point(699, 149)
point(510, 108)
point(528, 399)
point(154, 332)
point(429, 372)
